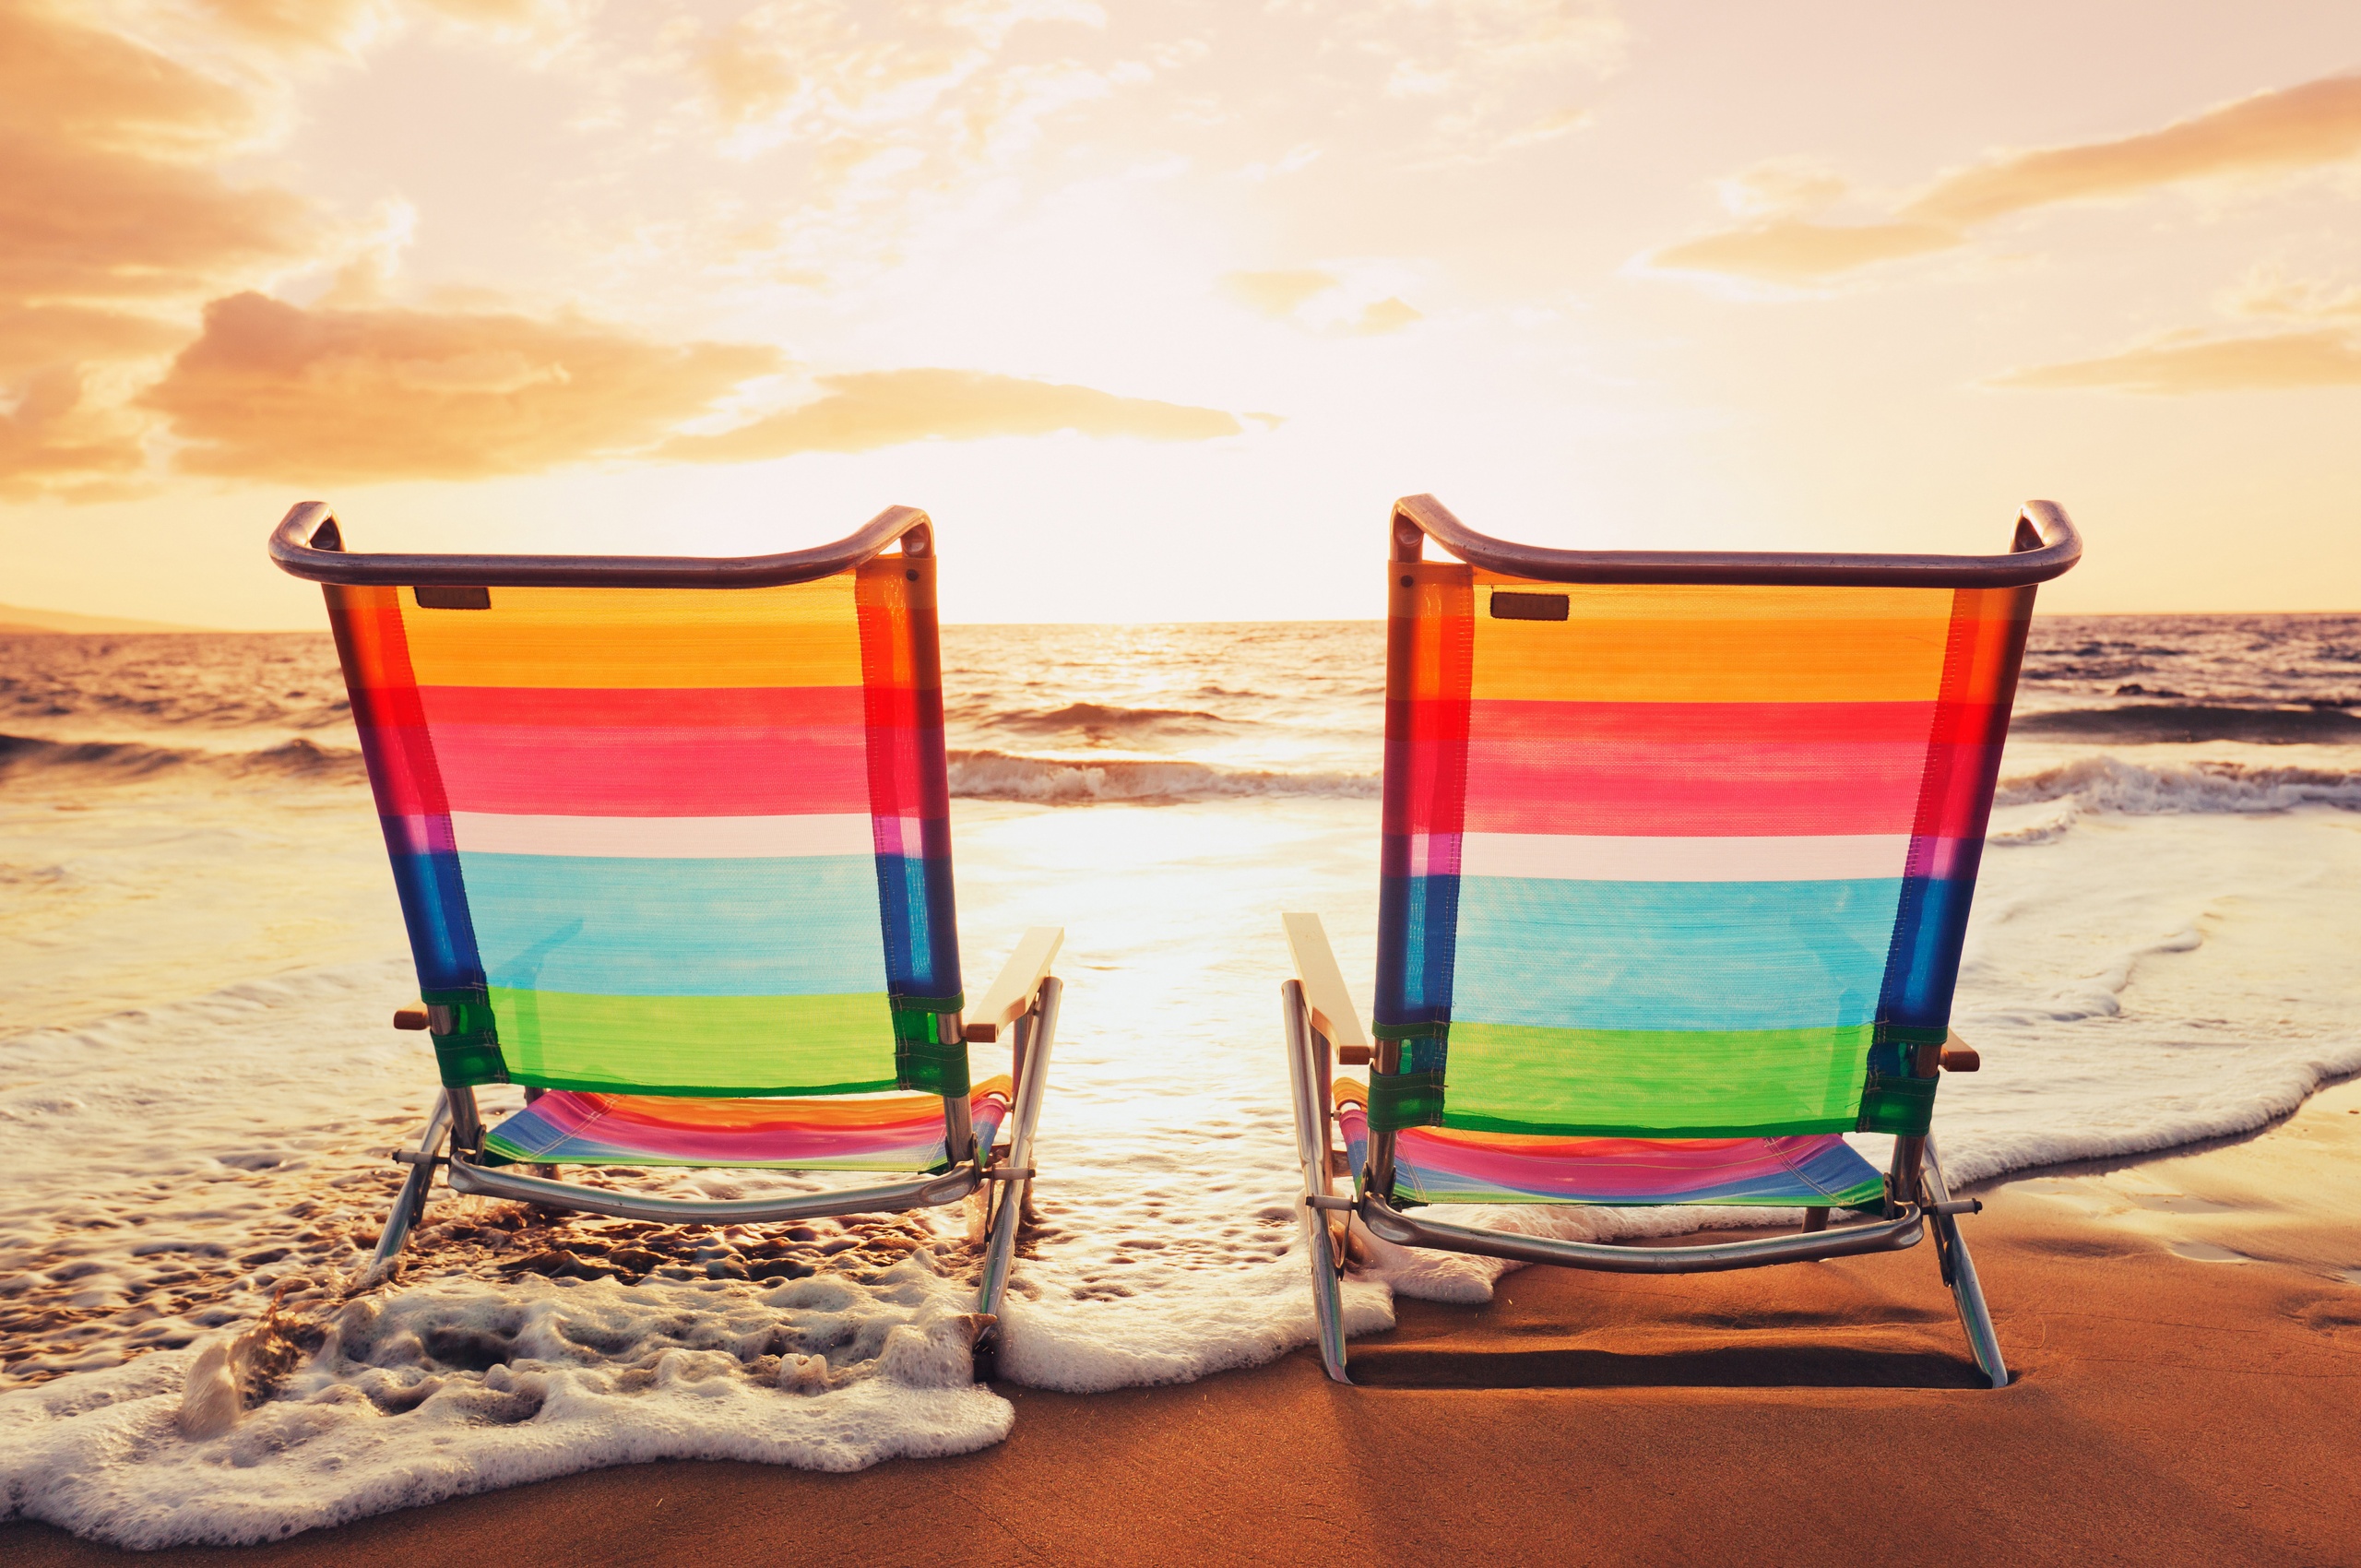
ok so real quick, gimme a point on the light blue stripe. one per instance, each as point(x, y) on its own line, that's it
point(1672, 954)
point(625, 926)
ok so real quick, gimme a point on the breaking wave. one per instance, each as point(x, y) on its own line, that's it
point(1000, 775)
point(2184, 723)
point(2110, 784)
point(24, 756)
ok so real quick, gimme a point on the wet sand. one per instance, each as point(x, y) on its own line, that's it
point(2186, 1334)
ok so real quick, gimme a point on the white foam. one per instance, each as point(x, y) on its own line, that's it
point(2160, 954)
point(405, 1404)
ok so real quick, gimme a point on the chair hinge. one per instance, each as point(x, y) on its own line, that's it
point(411, 1157)
point(1337, 1206)
point(1956, 1206)
point(1003, 1174)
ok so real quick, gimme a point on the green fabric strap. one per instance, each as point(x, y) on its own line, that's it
point(1404, 1100)
point(923, 1059)
point(468, 1052)
point(1892, 1103)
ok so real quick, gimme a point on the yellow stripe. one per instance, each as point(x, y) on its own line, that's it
point(1716, 644)
point(803, 635)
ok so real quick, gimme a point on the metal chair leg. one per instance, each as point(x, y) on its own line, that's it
point(1959, 1272)
point(1035, 1031)
point(1312, 1138)
point(409, 1204)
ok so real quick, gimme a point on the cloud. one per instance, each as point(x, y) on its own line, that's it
point(101, 191)
point(32, 336)
point(273, 391)
point(859, 412)
point(2278, 360)
point(84, 222)
point(52, 440)
point(2261, 138)
point(1283, 296)
point(2265, 292)
point(1388, 314)
point(347, 25)
point(1276, 294)
point(112, 223)
point(2265, 135)
point(1793, 250)
point(2322, 350)
point(61, 78)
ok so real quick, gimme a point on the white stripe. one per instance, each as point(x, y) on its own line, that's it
point(1809, 857)
point(664, 838)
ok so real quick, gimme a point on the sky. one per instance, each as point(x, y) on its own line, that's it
point(1155, 307)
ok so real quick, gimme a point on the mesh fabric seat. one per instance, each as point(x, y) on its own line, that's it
point(1679, 852)
point(1437, 1165)
point(671, 839)
point(888, 1132)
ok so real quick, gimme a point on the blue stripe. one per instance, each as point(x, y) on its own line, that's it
point(1672, 954)
point(624, 926)
point(434, 911)
point(1923, 969)
point(1415, 920)
point(921, 928)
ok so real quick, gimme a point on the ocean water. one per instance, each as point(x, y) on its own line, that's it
point(199, 951)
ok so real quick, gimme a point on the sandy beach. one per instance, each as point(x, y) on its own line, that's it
point(2186, 1335)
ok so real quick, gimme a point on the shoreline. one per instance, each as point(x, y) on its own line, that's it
point(2185, 1329)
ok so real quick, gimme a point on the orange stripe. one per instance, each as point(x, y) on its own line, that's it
point(642, 638)
point(746, 1115)
point(1715, 643)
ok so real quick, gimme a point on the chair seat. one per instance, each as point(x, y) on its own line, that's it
point(895, 1132)
point(1441, 1165)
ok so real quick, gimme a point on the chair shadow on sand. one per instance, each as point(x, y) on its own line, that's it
point(1798, 1364)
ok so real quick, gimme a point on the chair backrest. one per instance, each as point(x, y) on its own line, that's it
point(1682, 858)
point(688, 840)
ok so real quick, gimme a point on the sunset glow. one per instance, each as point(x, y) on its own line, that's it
point(1155, 308)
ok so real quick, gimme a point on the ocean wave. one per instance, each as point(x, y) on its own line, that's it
point(1105, 721)
point(24, 756)
point(2110, 784)
point(2165, 723)
point(1001, 776)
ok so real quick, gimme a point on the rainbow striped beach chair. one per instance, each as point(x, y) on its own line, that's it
point(671, 837)
point(1678, 855)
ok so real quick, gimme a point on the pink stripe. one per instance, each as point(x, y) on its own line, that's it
point(1696, 769)
point(610, 770)
point(564, 1125)
point(1636, 1171)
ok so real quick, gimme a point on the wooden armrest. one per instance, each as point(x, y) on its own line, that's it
point(1020, 978)
point(1323, 989)
point(410, 1018)
point(1959, 1056)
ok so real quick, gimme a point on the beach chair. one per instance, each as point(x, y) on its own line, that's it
point(1677, 861)
point(671, 837)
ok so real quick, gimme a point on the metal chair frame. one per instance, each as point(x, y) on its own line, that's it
point(1917, 1197)
point(308, 544)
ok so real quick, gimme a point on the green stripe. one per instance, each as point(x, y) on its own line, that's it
point(697, 1045)
point(1902, 1106)
point(1404, 1100)
point(1655, 1083)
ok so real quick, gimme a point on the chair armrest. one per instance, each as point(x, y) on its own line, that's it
point(1019, 979)
point(1323, 989)
point(1958, 1056)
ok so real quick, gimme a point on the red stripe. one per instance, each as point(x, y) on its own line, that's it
point(375, 650)
point(1696, 769)
point(694, 707)
point(609, 770)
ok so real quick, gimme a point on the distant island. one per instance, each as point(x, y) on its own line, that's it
point(19, 618)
